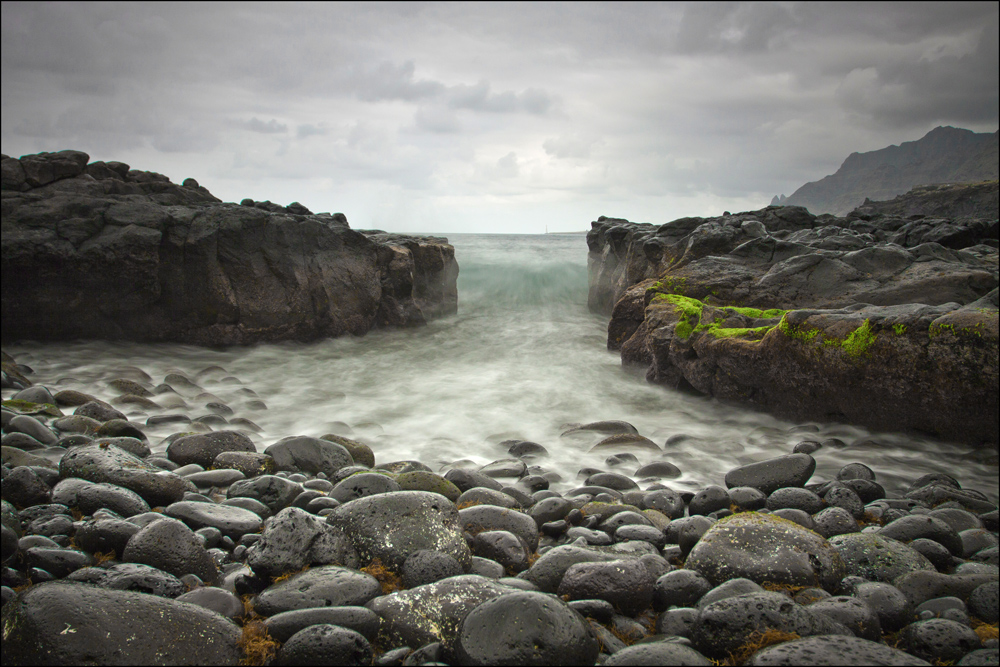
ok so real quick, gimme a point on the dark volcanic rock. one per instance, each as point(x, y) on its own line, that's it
point(309, 455)
point(60, 623)
point(325, 644)
point(525, 628)
point(658, 653)
point(324, 586)
point(832, 650)
point(275, 492)
point(292, 539)
point(763, 548)
point(626, 584)
point(233, 522)
point(203, 448)
point(939, 639)
point(434, 612)
point(283, 625)
point(169, 545)
point(878, 558)
point(773, 474)
point(116, 466)
point(169, 262)
point(480, 518)
point(391, 526)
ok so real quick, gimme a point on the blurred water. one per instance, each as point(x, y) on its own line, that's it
point(523, 358)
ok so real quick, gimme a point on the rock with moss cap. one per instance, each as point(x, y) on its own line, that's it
point(766, 549)
point(420, 480)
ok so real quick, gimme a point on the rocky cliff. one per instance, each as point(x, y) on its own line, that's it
point(943, 155)
point(875, 319)
point(99, 250)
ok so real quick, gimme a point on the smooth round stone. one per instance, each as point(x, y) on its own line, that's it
point(202, 448)
point(503, 547)
point(975, 540)
point(391, 526)
point(611, 480)
point(658, 653)
point(481, 518)
point(249, 504)
point(983, 602)
point(527, 449)
point(466, 479)
point(680, 588)
point(105, 625)
point(327, 585)
point(525, 628)
point(217, 478)
point(725, 625)
point(763, 548)
point(133, 446)
point(360, 452)
point(845, 498)
point(708, 500)
point(505, 468)
point(309, 455)
point(24, 487)
point(826, 650)
point(984, 657)
point(888, 602)
point(549, 509)
point(120, 500)
point(171, 546)
point(58, 562)
point(807, 447)
point(747, 498)
point(608, 427)
point(939, 639)
point(115, 466)
point(325, 644)
point(234, 522)
point(878, 558)
point(856, 471)
point(667, 501)
point(250, 464)
point(924, 585)
point(626, 584)
point(958, 519)
point(629, 532)
point(362, 485)
point(105, 535)
point(623, 518)
point(626, 441)
point(426, 567)
point(271, 490)
point(794, 498)
point(729, 589)
point(121, 428)
point(485, 567)
point(834, 521)
point(76, 424)
point(218, 600)
point(100, 411)
point(853, 613)
point(360, 619)
point(912, 527)
point(29, 425)
point(792, 470)
point(934, 552)
point(658, 470)
point(419, 480)
point(399, 467)
point(867, 491)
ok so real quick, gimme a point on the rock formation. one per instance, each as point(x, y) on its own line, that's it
point(943, 155)
point(100, 250)
point(874, 319)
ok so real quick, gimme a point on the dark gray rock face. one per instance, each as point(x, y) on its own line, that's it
point(764, 548)
point(283, 625)
point(202, 448)
point(811, 318)
point(169, 545)
point(832, 650)
point(768, 476)
point(325, 644)
point(309, 455)
point(525, 628)
point(626, 584)
point(91, 253)
point(391, 526)
point(878, 558)
point(233, 522)
point(292, 539)
point(112, 627)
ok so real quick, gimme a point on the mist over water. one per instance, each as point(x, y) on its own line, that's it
point(522, 359)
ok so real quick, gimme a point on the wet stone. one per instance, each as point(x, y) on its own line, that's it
point(526, 449)
point(216, 478)
point(888, 602)
point(832, 650)
point(323, 586)
point(853, 613)
point(233, 522)
point(939, 639)
point(878, 558)
point(626, 584)
point(480, 518)
point(283, 625)
point(667, 501)
point(856, 471)
point(867, 491)
point(599, 610)
point(218, 600)
point(794, 498)
point(292, 539)
point(250, 504)
point(467, 479)
point(525, 628)
point(203, 448)
point(934, 552)
point(764, 548)
point(361, 453)
point(549, 509)
point(658, 470)
point(58, 562)
point(504, 468)
point(309, 455)
point(105, 625)
point(792, 470)
point(846, 499)
point(795, 516)
point(611, 480)
point(485, 567)
point(834, 521)
point(632, 441)
point(680, 588)
point(420, 480)
point(747, 498)
point(115, 466)
point(24, 487)
point(391, 526)
point(649, 534)
point(275, 492)
point(914, 526)
point(708, 500)
point(975, 540)
point(171, 546)
point(138, 578)
point(32, 427)
point(362, 485)
point(325, 644)
point(983, 602)
point(426, 567)
point(105, 535)
point(658, 653)
point(120, 500)
point(983, 656)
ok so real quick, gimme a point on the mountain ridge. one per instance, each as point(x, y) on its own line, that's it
point(944, 155)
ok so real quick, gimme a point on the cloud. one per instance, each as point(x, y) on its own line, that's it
point(307, 130)
point(387, 82)
point(568, 146)
point(256, 125)
point(479, 98)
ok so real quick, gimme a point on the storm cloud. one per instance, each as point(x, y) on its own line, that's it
point(493, 117)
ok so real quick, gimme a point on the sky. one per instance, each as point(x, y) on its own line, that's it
point(480, 117)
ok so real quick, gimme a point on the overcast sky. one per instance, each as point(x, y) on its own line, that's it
point(493, 117)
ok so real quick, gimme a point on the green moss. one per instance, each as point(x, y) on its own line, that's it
point(669, 284)
point(797, 332)
point(938, 329)
point(899, 328)
point(29, 408)
point(860, 340)
point(719, 332)
point(690, 311)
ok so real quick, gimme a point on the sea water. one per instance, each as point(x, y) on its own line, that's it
point(523, 359)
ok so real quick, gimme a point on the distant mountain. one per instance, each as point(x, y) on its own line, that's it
point(943, 155)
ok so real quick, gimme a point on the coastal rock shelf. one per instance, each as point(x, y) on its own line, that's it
point(103, 251)
point(871, 319)
point(121, 547)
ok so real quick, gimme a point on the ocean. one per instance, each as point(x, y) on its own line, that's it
point(523, 359)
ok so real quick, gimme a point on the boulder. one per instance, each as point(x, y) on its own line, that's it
point(324, 586)
point(116, 466)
